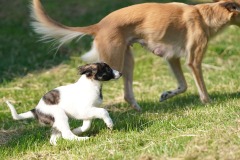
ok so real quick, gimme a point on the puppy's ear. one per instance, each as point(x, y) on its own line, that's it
point(232, 7)
point(88, 70)
point(106, 64)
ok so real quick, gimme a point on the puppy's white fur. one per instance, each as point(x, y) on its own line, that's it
point(79, 100)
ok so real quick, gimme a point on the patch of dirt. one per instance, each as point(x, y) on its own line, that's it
point(6, 135)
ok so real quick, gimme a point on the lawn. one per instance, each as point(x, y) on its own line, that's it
point(179, 128)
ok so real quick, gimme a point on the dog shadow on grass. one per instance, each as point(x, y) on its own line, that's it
point(24, 133)
point(131, 120)
point(186, 101)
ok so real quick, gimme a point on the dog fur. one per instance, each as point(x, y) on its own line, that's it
point(80, 100)
point(169, 30)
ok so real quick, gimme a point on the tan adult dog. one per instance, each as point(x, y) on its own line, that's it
point(169, 30)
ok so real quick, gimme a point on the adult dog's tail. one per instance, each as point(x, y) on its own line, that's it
point(52, 30)
point(17, 116)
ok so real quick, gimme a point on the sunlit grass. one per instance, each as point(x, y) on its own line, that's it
point(180, 127)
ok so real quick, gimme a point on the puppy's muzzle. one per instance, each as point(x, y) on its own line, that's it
point(117, 74)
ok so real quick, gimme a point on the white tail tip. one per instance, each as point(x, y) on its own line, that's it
point(17, 116)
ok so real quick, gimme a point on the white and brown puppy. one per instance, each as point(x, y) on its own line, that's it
point(79, 100)
point(169, 30)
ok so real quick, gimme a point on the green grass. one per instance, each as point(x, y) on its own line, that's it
point(180, 128)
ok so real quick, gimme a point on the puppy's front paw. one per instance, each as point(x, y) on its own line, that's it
point(53, 140)
point(81, 138)
point(109, 123)
point(110, 126)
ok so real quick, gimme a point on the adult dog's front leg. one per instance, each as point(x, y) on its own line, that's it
point(195, 64)
point(198, 78)
point(175, 66)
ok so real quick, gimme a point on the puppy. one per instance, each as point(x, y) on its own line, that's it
point(169, 30)
point(79, 100)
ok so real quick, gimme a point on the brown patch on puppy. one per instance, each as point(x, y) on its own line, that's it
point(89, 70)
point(43, 118)
point(52, 97)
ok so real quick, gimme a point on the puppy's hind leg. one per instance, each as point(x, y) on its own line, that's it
point(55, 136)
point(86, 125)
point(128, 79)
point(61, 124)
point(175, 66)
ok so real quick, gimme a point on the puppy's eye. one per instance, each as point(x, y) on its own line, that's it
point(108, 69)
point(104, 75)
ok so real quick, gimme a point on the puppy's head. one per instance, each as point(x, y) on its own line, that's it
point(99, 72)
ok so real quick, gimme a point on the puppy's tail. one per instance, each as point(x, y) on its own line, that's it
point(17, 116)
point(54, 31)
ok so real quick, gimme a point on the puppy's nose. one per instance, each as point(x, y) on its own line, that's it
point(117, 74)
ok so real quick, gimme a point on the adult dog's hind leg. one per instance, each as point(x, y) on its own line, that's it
point(117, 54)
point(111, 51)
point(128, 79)
point(176, 68)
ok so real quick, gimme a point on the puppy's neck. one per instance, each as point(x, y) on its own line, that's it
point(89, 81)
